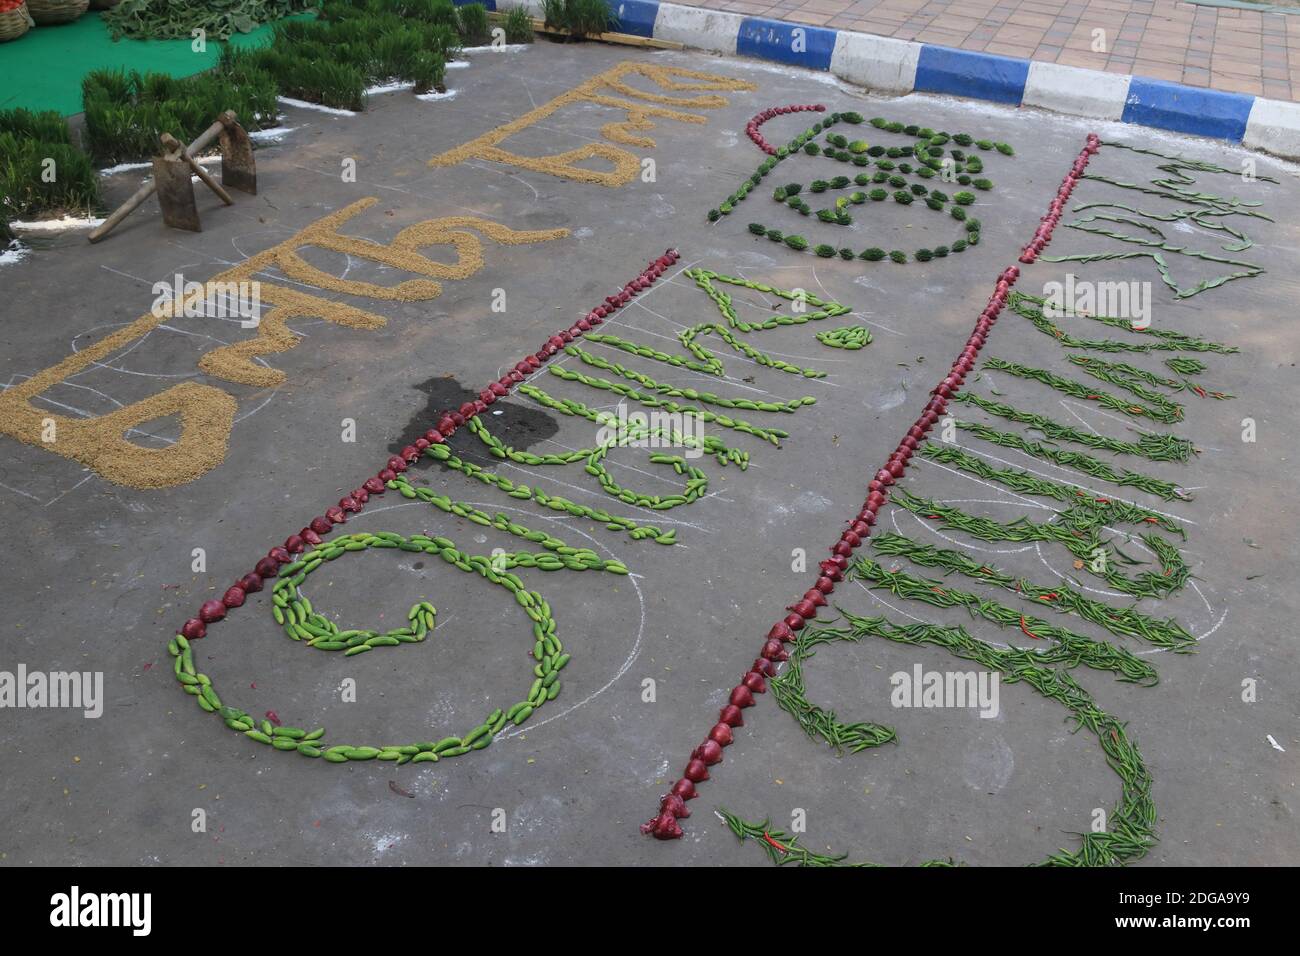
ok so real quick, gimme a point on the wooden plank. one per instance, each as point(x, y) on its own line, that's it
point(626, 39)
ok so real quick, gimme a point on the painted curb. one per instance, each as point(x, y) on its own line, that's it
point(1186, 109)
point(886, 65)
point(1274, 127)
point(982, 76)
point(878, 63)
point(700, 29)
point(791, 43)
point(636, 17)
point(1076, 91)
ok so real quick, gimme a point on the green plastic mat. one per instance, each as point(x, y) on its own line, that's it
point(42, 69)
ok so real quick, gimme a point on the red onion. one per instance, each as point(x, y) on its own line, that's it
point(350, 504)
point(310, 536)
point(731, 716)
point(825, 584)
point(763, 666)
point(696, 771)
point(741, 696)
point(685, 789)
point(336, 515)
point(781, 632)
point(212, 611)
point(234, 596)
point(721, 733)
point(251, 583)
point(194, 628)
point(754, 682)
point(710, 752)
point(674, 805)
point(294, 544)
point(663, 827)
point(360, 495)
point(267, 568)
point(774, 651)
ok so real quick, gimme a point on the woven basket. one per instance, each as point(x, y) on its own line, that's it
point(14, 23)
point(47, 12)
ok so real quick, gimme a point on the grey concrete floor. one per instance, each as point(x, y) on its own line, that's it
point(97, 576)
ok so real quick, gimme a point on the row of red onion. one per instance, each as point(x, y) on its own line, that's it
point(447, 424)
point(752, 127)
point(672, 806)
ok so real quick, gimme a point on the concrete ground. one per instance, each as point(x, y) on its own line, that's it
point(98, 576)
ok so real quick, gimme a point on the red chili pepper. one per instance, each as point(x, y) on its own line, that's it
point(1047, 597)
point(782, 848)
point(1198, 390)
point(1151, 520)
point(1103, 501)
point(1024, 627)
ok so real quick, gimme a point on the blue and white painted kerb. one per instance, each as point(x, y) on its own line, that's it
point(897, 66)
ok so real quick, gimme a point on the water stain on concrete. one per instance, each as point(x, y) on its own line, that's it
point(518, 426)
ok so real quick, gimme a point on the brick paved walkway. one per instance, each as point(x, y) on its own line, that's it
point(1227, 49)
